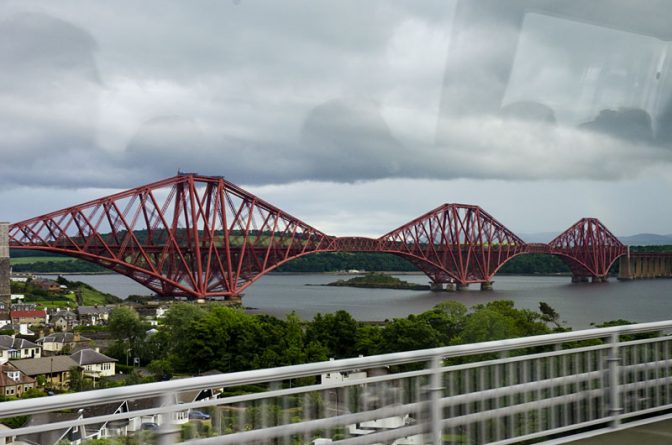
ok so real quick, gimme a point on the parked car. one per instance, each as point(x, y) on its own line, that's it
point(149, 426)
point(198, 415)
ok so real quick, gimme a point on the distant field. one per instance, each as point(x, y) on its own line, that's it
point(39, 259)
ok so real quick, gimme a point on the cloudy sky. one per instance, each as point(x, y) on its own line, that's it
point(354, 116)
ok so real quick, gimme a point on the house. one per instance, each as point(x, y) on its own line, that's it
point(47, 284)
point(54, 370)
point(5, 319)
point(59, 341)
point(93, 315)
point(14, 382)
point(8, 440)
point(63, 320)
point(94, 364)
point(30, 317)
point(377, 395)
point(19, 348)
point(114, 428)
point(177, 417)
point(70, 435)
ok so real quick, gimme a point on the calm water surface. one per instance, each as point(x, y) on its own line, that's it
point(578, 304)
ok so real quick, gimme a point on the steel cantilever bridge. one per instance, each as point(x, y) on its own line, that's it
point(202, 236)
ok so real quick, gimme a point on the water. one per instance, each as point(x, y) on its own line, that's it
point(577, 304)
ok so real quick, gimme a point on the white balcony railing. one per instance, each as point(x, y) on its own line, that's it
point(550, 389)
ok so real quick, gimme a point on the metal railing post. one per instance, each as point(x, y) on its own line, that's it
point(614, 361)
point(435, 391)
point(167, 430)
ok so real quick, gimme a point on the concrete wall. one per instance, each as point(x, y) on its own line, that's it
point(5, 291)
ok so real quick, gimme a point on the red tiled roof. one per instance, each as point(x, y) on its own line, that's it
point(23, 314)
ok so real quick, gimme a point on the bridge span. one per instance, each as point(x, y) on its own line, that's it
point(202, 236)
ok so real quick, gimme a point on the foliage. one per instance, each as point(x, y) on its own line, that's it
point(194, 339)
point(380, 281)
point(15, 422)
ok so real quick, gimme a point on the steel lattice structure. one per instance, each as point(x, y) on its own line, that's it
point(202, 236)
point(187, 235)
point(588, 248)
point(455, 242)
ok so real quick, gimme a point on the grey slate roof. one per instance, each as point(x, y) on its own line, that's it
point(44, 365)
point(8, 342)
point(61, 337)
point(48, 437)
point(93, 310)
point(90, 357)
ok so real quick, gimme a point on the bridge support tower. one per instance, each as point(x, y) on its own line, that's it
point(5, 288)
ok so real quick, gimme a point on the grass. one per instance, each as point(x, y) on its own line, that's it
point(39, 259)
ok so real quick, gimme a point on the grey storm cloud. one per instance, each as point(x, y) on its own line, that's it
point(266, 93)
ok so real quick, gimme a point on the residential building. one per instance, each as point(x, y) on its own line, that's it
point(55, 370)
point(13, 382)
point(47, 284)
point(71, 435)
point(93, 315)
point(94, 364)
point(63, 320)
point(115, 428)
point(63, 341)
point(19, 348)
point(30, 317)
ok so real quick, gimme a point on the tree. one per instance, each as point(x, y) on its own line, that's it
point(447, 318)
point(125, 324)
point(337, 332)
point(126, 327)
point(485, 325)
point(408, 334)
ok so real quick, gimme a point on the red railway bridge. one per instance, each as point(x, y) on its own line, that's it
point(202, 236)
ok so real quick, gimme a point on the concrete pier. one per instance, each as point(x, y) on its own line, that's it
point(576, 279)
point(486, 285)
point(5, 288)
point(450, 287)
point(459, 286)
point(435, 287)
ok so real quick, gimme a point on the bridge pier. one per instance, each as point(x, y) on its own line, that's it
point(5, 288)
point(435, 287)
point(460, 286)
point(450, 287)
point(486, 285)
point(576, 279)
point(598, 279)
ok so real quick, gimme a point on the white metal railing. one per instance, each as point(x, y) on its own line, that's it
point(550, 388)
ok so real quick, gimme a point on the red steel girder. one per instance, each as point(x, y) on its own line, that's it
point(588, 248)
point(188, 235)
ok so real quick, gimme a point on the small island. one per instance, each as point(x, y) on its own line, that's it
point(378, 280)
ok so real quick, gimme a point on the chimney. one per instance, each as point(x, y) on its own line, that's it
point(76, 337)
point(5, 288)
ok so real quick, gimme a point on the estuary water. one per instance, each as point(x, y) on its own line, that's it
point(578, 304)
